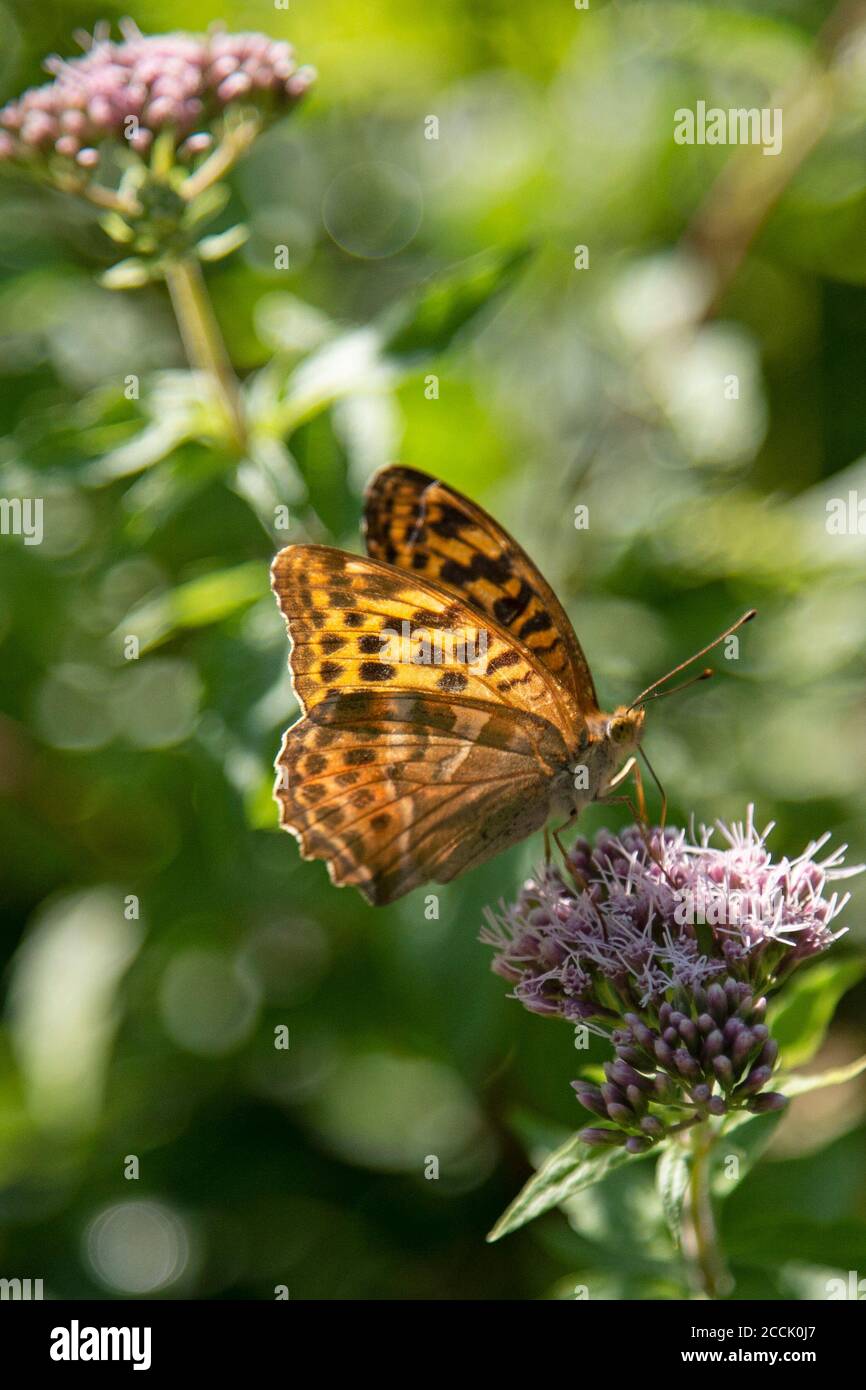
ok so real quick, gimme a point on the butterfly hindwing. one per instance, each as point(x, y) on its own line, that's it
point(393, 790)
point(419, 524)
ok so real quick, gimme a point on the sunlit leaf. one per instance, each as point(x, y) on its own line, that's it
point(746, 1136)
point(289, 324)
point(429, 321)
point(177, 406)
point(352, 363)
point(569, 1169)
point(197, 603)
point(836, 1076)
point(672, 1182)
point(799, 1019)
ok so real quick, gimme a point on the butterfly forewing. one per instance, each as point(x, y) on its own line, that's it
point(419, 524)
point(357, 624)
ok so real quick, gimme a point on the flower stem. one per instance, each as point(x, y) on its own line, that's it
point(230, 149)
point(700, 1237)
point(203, 341)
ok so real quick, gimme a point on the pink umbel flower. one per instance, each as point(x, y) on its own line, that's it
point(146, 129)
point(668, 944)
point(133, 90)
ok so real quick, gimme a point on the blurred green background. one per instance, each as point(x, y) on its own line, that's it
point(608, 387)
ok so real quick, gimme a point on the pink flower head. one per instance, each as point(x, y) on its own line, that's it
point(667, 944)
point(141, 86)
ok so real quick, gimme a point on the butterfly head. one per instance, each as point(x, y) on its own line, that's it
point(624, 728)
point(613, 739)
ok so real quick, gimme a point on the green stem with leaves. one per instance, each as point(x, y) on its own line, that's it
point(700, 1236)
point(205, 349)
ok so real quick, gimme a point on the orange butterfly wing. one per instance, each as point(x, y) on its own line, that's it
point(420, 524)
point(400, 771)
point(395, 790)
point(339, 607)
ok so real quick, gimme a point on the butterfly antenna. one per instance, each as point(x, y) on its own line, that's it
point(746, 618)
point(684, 685)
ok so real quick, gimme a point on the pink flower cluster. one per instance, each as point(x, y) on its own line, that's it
point(632, 918)
point(668, 945)
point(137, 88)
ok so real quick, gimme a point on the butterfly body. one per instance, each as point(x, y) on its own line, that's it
point(411, 762)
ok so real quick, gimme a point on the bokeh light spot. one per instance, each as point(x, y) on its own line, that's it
point(208, 1003)
point(137, 1247)
point(372, 210)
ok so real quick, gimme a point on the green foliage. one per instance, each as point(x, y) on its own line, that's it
point(568, 1170)
point(150, 778)
point(672, 1181)
point(800, 1017)
point(574, 1166)
point(448, 304)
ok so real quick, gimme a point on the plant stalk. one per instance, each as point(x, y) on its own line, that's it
point(227, 153)
point(709, 1271)
point(205, 349)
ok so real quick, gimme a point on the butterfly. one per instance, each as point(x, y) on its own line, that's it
point(448, 710)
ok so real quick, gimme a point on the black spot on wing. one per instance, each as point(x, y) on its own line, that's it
point(539, 622)
point(370, 671)
point(357, 757)
point(508, 606)
point(506, 658)
point(452, 682)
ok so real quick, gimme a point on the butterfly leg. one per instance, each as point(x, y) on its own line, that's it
point(578, 879)
point(641, 797)
point(640, 811)
point(559, 831)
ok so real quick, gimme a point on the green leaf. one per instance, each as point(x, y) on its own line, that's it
point(207, 599)
point(799, 1019)
point(802, 1085)
point(569, 1169)
point(754, 1132)
point(429, 321)
point(289, 324)
point(672, 1182)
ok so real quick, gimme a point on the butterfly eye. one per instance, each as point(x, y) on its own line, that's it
point(620, 730)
